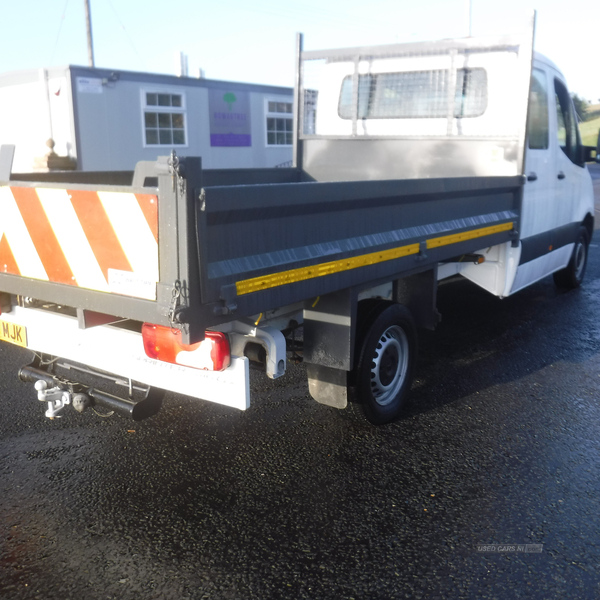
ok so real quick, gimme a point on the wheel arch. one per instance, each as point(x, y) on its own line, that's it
point(367, 312)
point(588, 223)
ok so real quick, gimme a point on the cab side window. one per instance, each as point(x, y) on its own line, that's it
point(567, 131)
point(537, 124)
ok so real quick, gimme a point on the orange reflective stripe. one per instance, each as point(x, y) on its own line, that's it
point(99, 231)
point(149, 207)
point(81, 238)
point(43, 236)
point(8, 264)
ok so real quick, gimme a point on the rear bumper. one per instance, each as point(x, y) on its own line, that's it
point(121, 352)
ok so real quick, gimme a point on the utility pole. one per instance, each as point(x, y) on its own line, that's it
point(90, 43)
point(469, 11)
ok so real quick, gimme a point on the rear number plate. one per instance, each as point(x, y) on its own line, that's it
point(15, 334)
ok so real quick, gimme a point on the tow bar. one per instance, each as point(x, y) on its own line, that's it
point(58, 392)
point(56, 397)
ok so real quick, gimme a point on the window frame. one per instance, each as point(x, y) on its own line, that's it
point(150, 108)
point(279, 115)
point(574, 149)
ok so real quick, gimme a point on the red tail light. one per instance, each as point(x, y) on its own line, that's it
point(164, 343)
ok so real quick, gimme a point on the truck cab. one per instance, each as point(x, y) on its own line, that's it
point(459, 108)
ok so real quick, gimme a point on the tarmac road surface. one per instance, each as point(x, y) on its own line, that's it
point(487, 488)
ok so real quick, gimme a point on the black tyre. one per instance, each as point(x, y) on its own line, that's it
point(572, 275)
point(384, 370)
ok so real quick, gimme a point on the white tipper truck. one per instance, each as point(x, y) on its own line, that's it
point(413, 163)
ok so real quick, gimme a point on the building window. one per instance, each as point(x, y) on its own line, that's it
point(280, 123)
point(164, 119)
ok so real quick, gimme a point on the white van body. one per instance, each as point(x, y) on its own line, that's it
point(562, 194)
point(557, 198)
point(516, 118)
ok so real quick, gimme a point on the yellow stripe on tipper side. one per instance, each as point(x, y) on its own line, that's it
point(467, 235)
point(337, 266)
point(256, 284)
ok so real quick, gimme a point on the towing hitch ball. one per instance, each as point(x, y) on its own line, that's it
point(58, 398)
point(80, 402)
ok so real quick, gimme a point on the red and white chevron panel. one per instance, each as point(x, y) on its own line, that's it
point(105, 241)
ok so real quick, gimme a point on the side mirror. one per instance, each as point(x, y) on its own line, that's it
point(590, 154)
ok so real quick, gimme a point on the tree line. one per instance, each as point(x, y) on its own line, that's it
point(582, 108)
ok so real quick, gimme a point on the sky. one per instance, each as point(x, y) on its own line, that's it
point(254, 42)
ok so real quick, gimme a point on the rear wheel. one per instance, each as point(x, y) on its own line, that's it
point(385, 364)
point(572, 275)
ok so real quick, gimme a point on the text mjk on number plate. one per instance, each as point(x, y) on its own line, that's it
point(15, 334)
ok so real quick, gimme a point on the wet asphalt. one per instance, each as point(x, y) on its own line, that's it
point(499, 447)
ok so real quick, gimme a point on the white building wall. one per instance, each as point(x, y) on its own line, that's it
point(59, 100)
point(34, 108)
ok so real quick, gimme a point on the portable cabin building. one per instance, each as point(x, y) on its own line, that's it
point(106, 119)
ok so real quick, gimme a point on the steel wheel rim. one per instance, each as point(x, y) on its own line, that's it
point(389, 365)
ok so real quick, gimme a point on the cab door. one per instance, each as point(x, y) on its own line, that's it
point(554, 171)
point(568, 160)
point(538, 194)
